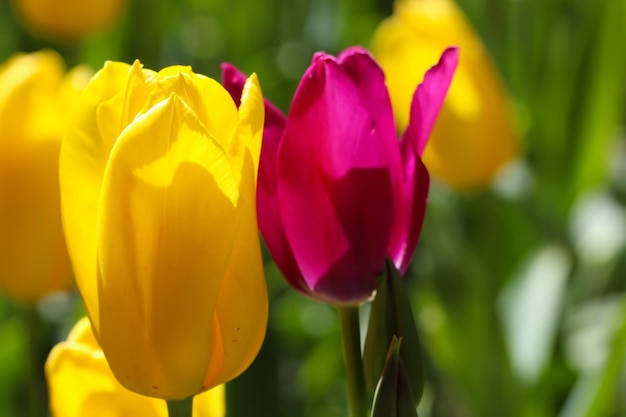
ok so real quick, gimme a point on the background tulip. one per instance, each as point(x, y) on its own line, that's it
point(80, 383)
point(158, 175)
point(36, 97)
point(69, 20)
point(338, 192)
point(474, 136)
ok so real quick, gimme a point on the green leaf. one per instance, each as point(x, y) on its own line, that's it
point(603, 105)
point(392, 316)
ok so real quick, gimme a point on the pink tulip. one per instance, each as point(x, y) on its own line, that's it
point(338, 193)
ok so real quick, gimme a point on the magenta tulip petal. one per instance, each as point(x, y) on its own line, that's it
point(370, 82)
point(361, 204)
point(411, 203)
point(270, 221)
point(344, 129)
point(233, 81)
point(410, 207)
point(334, 184)
point(429, 97)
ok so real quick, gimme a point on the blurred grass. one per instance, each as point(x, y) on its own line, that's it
point(565, 66)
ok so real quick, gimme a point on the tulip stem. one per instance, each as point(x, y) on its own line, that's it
point(351, 336)
point(36, 346)
point(180, 408)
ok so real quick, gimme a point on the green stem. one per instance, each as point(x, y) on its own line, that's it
point(36, 351)
point(351, 336)
point(180, 408)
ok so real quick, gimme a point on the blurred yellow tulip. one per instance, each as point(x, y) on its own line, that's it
point(474, 135)
point(80, 383)
point(158, 196)
point(36, 96)
point(68, 20)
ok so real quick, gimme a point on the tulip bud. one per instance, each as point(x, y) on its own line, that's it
point(158, 180)
point(68, 20)
point(338, 192)
point(474, 135)
point(36, 97)
point(393, 394)
point(80, 383)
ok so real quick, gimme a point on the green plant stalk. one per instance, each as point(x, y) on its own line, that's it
point(180, 408)
point(36, 350)
point(351, 337)
point(603, 106)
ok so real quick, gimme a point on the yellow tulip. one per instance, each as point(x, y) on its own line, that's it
point(474, 135)
point(69, 20)
point(158, 194)
point(80, 383)
point(36, 95)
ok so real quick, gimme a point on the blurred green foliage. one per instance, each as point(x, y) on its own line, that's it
point(518, 289)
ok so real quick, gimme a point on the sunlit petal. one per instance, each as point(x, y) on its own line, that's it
point(167, 225)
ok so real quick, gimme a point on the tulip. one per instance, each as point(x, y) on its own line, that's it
point(338, 192)
point(68, 20)
point(80, 383)
point(474, 136)
point(36, 95)
point(158, 177)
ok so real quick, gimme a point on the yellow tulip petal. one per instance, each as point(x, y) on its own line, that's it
point(166, 232)
point(32, 246)
point(175, 70)
point(251, 120)
point(82, 334)
point(242, 307)
point(71, 89)
point(474, 135)
point(211, 403)
point(81, 384)
point(209, 100)
point(84, 153)
point(141, 83)
point(29, 85)
point(35, 100)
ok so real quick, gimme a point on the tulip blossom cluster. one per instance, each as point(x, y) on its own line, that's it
point(159, 195)
point(338, 192)
point(152, 189)
point(166, 178)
